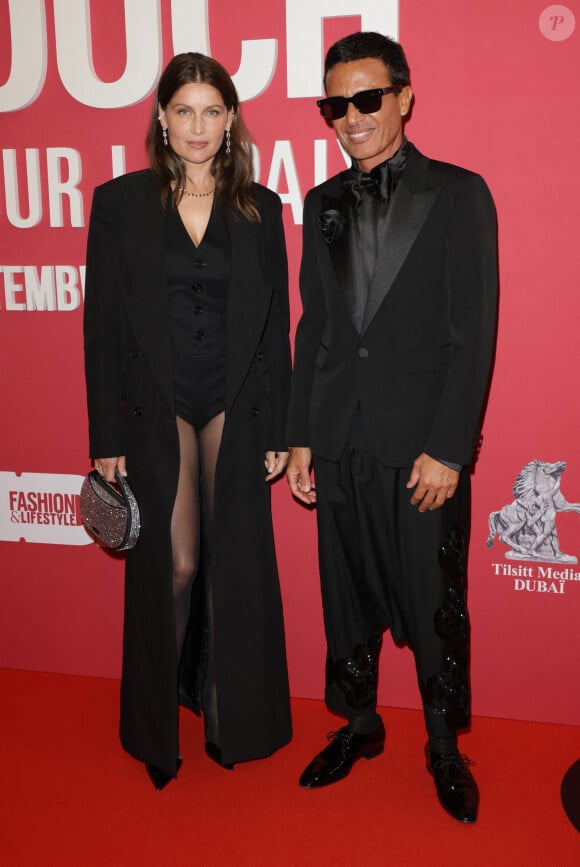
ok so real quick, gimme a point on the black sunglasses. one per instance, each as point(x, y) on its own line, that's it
point(366, 101)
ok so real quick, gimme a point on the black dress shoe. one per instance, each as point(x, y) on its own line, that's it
point(336, 760)
point(456, 787)
point(159, 778)
point(215, 753)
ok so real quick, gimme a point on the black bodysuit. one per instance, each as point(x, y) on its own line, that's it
point(197, 278)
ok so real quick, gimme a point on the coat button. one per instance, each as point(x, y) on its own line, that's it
point(255, 410)
point(363, 352)
point(133, 353)
point(197, 287)
point(138, 411)
point(199, 334)
point(199, 263)
point(198, 309)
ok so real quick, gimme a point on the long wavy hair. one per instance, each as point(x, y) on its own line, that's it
point(233, 173)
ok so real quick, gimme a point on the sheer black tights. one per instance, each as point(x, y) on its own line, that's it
point(198, 451)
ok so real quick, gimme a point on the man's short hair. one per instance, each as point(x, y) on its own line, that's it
point(360, 45)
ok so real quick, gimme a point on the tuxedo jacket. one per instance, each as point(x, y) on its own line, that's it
point(418, 365)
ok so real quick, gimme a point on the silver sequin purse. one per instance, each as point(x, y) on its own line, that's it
point(109, 512)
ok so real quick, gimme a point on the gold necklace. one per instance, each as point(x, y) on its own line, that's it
point(195, 195)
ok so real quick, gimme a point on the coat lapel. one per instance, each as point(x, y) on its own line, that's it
point(339, 249)
point(342, 253)
point(249, 298)
point(409, 208)
point(146, 292)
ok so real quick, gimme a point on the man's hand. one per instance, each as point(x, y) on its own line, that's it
point(106, 467)
point(298, 475)
point(434, 483)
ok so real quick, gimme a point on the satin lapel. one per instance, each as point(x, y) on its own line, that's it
point(339, 250)
point(249, 297)
point(405, 218)
point(146, 293)
point(343, 256)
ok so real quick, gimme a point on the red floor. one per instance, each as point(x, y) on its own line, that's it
point(70, 796)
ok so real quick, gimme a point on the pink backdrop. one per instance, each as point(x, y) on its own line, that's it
point(497, 89)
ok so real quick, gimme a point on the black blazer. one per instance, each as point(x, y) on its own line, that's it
point(420, 365)
point(126, 310)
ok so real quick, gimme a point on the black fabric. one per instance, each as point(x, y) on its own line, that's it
point(397, 333)
point(369, 196)
point(364, 723)
point(380, 568)
point(356, 676)
point(376, 184)
point(380, 182)
point(197, 281)
point(420, 363)
point(445, 743)
point(130, 393)
point(368, 222)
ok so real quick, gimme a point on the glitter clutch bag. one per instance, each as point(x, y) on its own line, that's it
point(110, 512)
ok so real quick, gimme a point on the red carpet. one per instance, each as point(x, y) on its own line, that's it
point(70, 795)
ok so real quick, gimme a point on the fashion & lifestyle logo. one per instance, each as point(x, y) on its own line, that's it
point(41, 508)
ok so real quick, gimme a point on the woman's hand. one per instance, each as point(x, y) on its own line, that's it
point(106, 467)
point(275, 463)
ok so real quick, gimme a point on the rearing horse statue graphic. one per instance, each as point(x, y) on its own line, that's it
point(528, 525)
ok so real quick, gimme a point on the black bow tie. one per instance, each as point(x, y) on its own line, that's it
point(378, 183)
point(381, 181)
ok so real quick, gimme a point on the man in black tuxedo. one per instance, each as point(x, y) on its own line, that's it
point(393, 353)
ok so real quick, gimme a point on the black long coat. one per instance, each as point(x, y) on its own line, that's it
point(131, 411)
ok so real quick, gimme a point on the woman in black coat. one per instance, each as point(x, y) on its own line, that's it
point(187, 367)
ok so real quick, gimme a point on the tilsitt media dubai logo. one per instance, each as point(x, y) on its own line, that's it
point(528, 527)
point(41, 508)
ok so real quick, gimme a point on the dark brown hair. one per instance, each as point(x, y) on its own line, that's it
point(234, 173)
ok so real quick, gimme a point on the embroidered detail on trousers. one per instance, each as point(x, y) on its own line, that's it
point(357, 676)
point(448, 692)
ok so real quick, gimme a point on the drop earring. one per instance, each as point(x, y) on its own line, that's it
point(165, 137)
point(228, 143)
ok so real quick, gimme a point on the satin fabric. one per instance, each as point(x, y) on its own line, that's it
point(369, 195)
